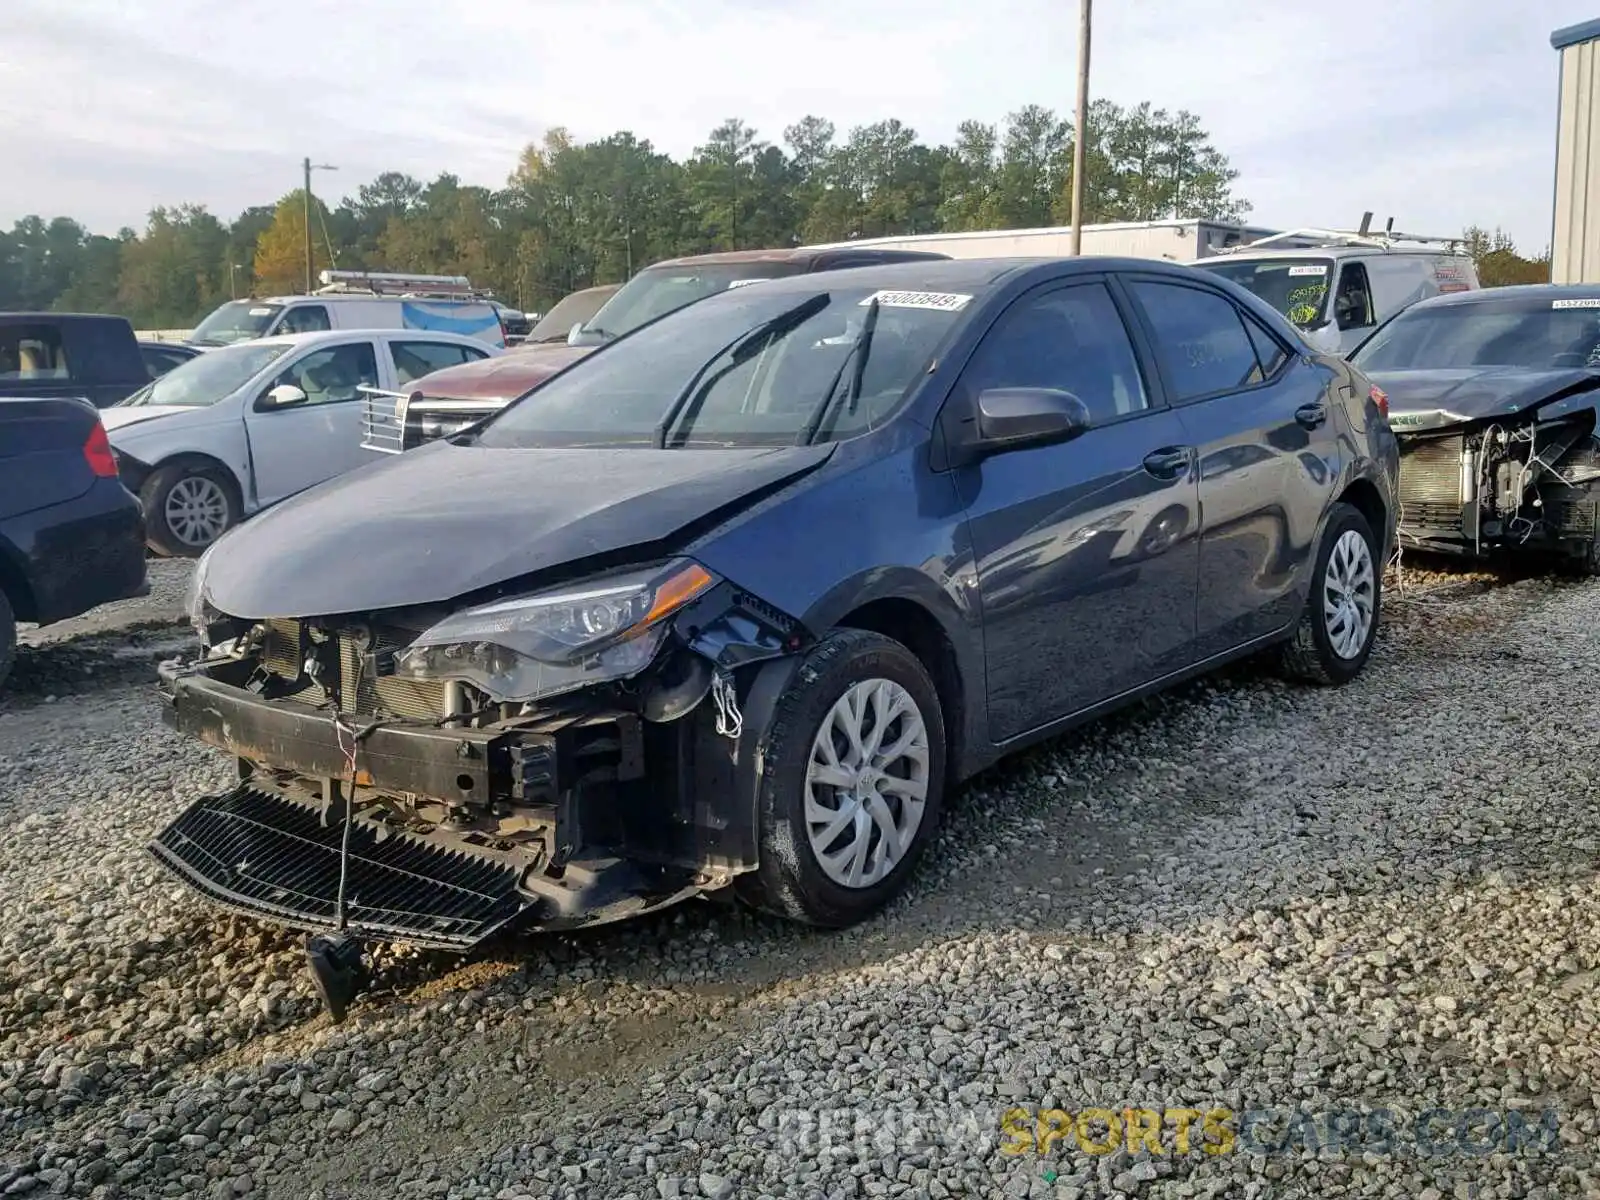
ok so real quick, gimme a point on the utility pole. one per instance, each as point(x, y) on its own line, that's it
point(307, 194)
point(1080, 139)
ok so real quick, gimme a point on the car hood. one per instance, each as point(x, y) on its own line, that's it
point(1426, 400)
point(117, 417)
point(444, 520)
point(501, 379)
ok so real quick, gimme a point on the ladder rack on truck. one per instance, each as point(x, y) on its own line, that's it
point(395, 283)
point(1387, 239)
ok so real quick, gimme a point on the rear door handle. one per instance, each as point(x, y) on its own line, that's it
point(1168, 462)
point(1311, 415)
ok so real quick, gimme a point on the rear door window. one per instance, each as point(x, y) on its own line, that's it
point(1200, 339)
point(413, 360)
point(33, 352)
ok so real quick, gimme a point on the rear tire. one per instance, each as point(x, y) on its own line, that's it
point(1334, 638)
point(854, 776)
point(186, 508)
point(8, 637)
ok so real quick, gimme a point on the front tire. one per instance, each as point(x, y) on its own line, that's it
point(186, 508)
point(853, 781)
point(1340, 623)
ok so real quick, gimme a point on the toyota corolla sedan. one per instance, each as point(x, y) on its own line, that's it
point(735, 601)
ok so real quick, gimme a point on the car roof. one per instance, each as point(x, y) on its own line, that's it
point(1520, 291)
point(337, 335)
point(801, 256)
point(958, 274)
point(58, 318)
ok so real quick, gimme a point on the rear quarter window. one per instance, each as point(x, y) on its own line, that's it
point(31, 353)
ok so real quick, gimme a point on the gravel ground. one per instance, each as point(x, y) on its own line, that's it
point(1245, 895)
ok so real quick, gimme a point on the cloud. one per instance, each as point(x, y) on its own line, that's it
point(111, 107)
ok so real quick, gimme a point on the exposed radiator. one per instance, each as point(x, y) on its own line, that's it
point(1430, 483)
point(361, 694)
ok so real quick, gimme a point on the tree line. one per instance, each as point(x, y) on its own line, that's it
point(573, 214)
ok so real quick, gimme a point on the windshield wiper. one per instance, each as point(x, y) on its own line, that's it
point(859, 349)
point(738, 350)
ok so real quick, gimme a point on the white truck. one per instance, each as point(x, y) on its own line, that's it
point(1178, 240)
point(350, 300)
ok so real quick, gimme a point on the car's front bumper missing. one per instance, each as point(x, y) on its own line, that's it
point(456, 834)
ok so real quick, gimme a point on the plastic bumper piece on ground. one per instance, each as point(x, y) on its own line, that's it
point(259, 852)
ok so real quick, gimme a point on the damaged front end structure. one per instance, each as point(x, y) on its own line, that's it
point(548, 761)
point(1523, 479)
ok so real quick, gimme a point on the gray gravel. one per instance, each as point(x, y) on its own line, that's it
point(1246, 895)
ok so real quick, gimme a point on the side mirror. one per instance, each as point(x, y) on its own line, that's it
point(575, 334)
point(285, 395)
point(1009, 418)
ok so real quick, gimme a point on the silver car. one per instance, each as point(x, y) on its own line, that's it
point(239, 428)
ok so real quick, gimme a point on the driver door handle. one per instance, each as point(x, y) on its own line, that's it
point(1168, 462)
point(1311, 415)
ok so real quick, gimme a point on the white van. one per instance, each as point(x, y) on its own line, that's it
point(360, 300)
point(1340, 288)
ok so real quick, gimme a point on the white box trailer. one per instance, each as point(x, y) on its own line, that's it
point(1177, 240)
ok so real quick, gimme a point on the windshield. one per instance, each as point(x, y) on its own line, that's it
point(206, 378)
point(756, 369)
point(1540, 334)
point(1296, 287)
point(236, 321)
point(656, 291)
point(569, 311)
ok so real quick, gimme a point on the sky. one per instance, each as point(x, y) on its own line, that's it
point(1439, 114)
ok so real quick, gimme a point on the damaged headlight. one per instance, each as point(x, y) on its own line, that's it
point(536, 646)
point(201, 614)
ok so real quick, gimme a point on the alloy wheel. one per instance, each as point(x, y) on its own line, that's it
point(867, 783)
point(196, 510)
point(1349, 590)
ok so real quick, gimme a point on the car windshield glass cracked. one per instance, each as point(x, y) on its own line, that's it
point(764, 395)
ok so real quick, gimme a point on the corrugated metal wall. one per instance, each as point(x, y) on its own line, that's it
point(1575, 245)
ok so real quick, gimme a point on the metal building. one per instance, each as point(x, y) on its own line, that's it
point(1575, 235)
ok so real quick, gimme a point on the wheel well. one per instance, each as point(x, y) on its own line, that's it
point(17, 591)
point(1365, 498)
point(196, 459)
point(915, 628)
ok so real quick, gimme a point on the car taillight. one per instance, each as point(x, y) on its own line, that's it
point(1381, 399)
point(97, 453)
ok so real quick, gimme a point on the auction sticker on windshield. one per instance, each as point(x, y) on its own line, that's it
point(1310, 269)
point(1580, 303)
point(745, 282)
point(942, 301)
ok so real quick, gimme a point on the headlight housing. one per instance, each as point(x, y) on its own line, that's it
point(195, 603)
point(533, 647)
